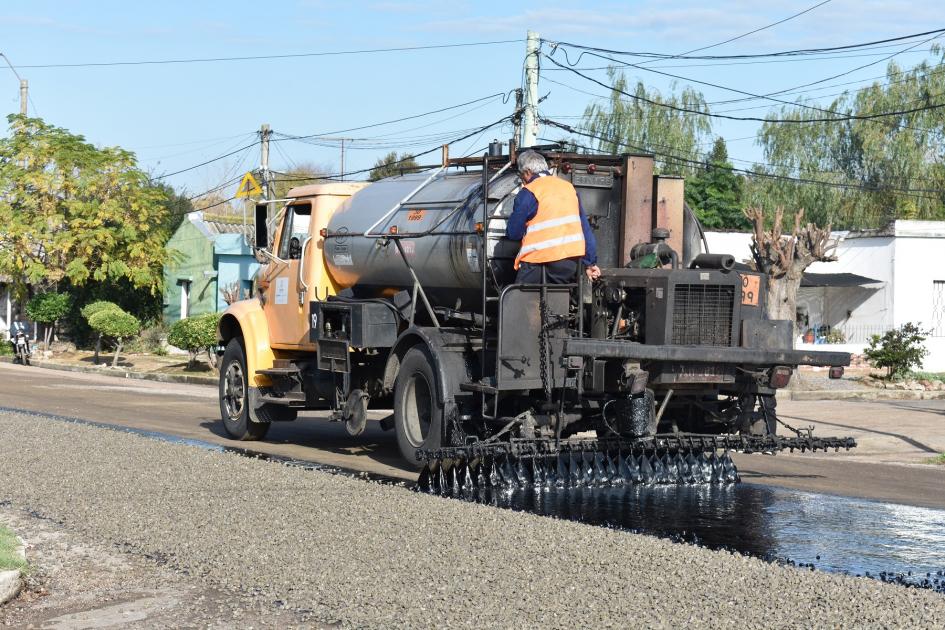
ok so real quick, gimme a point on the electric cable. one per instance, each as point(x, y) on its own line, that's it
point(688, 110)
point(750, 94)
point(678, 159)
point(786, 53)
point(265, 57)
point(504, 95)
point(757, 30)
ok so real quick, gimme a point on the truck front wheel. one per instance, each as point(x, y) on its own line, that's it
point(234, 395)
point(418, 416)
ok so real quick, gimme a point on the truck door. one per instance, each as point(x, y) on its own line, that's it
point(283, 282)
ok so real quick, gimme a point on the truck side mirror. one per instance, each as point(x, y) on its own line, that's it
point(262, 230)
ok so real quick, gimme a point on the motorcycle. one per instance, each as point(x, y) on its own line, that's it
point(21, 347)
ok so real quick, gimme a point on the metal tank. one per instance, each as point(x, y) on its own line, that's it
point(441, 211)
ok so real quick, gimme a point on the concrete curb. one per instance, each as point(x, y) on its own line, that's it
point(11, 582)
point(863, 394)
point(120, 373)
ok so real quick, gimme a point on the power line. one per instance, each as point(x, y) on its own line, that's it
point(262, 57)
point(504, 95)
point(688, 110)
point(783, 53)
point(757, 30)
point(737, 91)
point(216, 159)
point(683, 160)
point(476, 131)
point(858, 68)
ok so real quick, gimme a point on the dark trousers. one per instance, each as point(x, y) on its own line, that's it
point(557, 272)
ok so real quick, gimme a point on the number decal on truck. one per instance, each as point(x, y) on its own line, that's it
point(750, 285)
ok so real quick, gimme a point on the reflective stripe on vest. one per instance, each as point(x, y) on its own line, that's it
point(555, 232)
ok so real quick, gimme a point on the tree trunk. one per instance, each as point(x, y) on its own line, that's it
point(98, 348)
point(212, 357)
point(781, 299)
point(117, 352)
point(191, 359)
point(784, 257)
point(47, 334)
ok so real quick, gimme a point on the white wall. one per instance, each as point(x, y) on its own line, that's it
point(919, 261)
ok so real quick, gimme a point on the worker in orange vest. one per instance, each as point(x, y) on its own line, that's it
point(548, 219)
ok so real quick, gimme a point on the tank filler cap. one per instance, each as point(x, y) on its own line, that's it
point(659, 235)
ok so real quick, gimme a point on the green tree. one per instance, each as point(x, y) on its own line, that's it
point(76, 213)
point(196, 335)
point(91, 309)
point(391, 165)
point(48, 308)
point(905, 151)
point(715, 192)
point(298, 175)
point(633, 124)
point(117, 324)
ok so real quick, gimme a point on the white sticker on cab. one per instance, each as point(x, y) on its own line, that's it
point(282, 291)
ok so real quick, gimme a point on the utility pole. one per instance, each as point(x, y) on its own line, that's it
point(342, 159)
point(264, 132)
point(530, 127)
point(24, 95)
point(517, 116)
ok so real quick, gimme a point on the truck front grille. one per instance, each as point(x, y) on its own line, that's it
point(702, 314)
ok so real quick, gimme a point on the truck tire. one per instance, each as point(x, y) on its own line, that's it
point(418, 415)
point(239, 423)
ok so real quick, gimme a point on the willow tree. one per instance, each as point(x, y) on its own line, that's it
point(875, 169)
point(75, 213)
point(648, 121)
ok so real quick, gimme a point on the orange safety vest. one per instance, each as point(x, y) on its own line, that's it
point(554, 233)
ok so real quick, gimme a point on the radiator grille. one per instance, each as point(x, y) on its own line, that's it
point(702, 314)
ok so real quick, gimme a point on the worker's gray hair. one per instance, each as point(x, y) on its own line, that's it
point(531, 161)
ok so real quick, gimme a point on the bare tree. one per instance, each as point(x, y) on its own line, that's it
point(231, 293)
point(784, 257)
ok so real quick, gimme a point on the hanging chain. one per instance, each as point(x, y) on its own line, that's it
point(543, 342)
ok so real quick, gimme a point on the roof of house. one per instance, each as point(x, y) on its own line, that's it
point(838, 280)
point(213, 224)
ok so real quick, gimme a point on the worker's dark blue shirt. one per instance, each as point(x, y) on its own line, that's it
point(526, 207)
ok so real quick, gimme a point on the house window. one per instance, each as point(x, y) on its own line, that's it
point(938, 308)
point(184, 298)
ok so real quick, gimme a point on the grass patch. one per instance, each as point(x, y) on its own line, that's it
point(8, 557)
point(927, 376)
point(939, 459)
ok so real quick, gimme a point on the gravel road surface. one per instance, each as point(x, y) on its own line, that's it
point(362, 554)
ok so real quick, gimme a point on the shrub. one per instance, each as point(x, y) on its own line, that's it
point(835, 336)
point(117, 324)
point(196, 335)
point(898, 350)
point(91, 309)
point(94, 307)
point(150, 339)
point(48, 308)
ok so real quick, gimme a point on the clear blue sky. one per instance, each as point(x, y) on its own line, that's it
point(177, 115)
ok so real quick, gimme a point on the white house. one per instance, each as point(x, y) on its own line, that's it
point(882, 279)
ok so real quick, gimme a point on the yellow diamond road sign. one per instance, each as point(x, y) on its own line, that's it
point(249, 187)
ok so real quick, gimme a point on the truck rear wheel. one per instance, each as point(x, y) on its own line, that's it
point(234, 395)
point(418, 416)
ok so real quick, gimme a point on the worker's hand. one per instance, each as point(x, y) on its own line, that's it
point(593, 272)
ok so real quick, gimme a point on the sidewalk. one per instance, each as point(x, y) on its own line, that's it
point(128, 372)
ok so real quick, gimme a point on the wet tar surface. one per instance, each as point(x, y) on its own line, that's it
point(891, 542)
